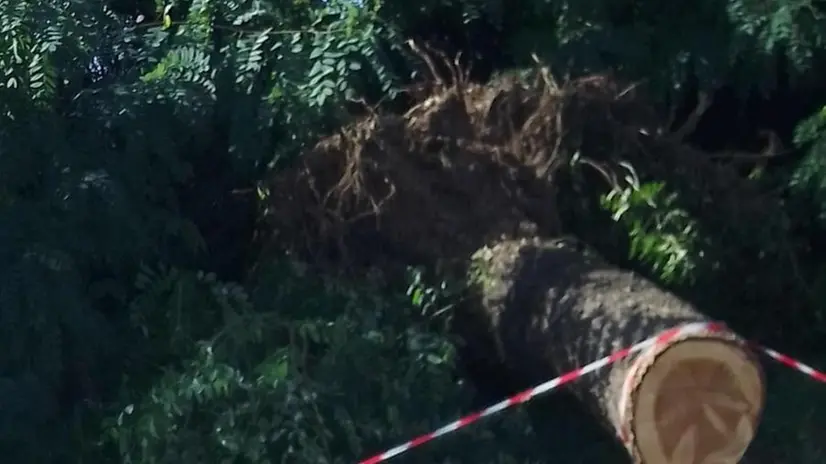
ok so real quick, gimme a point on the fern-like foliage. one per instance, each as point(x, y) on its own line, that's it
point(809, 179)
point(105, 121)
point(304, 370)
point(733, 42)
point(278, 64)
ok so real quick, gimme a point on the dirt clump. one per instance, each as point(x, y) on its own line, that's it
point(467, 165)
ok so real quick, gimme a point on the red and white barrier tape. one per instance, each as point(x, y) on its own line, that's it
point(527, 395)
point(794, 364)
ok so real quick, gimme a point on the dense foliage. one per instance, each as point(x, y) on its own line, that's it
point(132, 142)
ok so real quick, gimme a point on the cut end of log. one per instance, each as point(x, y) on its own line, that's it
point(696, 400)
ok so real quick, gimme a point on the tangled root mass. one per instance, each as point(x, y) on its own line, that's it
point(465, 166)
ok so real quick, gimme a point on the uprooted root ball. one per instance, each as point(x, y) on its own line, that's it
point(466, 166)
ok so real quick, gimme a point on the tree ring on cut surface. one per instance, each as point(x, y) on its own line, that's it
point(695, 400)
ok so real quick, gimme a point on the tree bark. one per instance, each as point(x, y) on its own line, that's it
point(553, 306)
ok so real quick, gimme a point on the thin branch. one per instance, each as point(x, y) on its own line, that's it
point(690, 124)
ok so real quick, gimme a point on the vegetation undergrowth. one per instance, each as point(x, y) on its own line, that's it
point(302, 370)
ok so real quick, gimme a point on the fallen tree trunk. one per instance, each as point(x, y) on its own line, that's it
point(554, 307)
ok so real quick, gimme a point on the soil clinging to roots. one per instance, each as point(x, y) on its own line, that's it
point(468, 165)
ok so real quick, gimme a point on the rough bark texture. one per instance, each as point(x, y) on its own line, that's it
point(554, 306)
